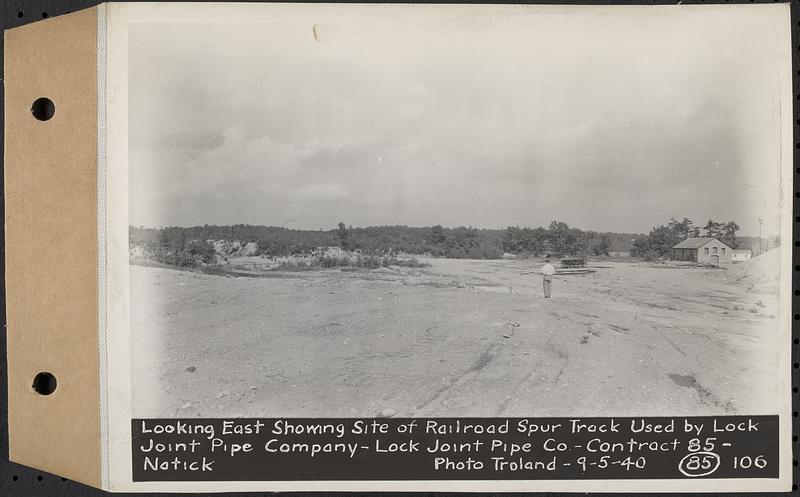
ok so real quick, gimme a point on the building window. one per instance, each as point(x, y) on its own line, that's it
point(715, 250)
point(723, 250)
point(706, 250)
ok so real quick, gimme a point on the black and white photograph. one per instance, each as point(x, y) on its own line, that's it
point(570, 212)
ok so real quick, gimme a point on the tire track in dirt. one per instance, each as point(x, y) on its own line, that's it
point(563, 356)
point(474, 369)
point(664, 337)
point(551, 356)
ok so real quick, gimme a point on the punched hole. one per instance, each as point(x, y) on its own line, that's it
point(43, 109)
point(44, 383)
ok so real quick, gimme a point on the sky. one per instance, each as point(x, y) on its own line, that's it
point(606, 120)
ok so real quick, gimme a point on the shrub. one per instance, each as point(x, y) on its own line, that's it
point(200, 251)
point(368, 261)
point(412, 262)
point(329, 261)
point(193, 253)
point(651, 255)
point(294, 266)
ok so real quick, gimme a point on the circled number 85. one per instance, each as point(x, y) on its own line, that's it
point(699, 464)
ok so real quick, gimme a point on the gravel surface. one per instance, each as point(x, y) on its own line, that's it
point(458, 338)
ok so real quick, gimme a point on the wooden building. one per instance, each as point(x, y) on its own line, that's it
point(704, 250)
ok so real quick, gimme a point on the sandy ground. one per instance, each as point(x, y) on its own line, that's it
point(459, 338)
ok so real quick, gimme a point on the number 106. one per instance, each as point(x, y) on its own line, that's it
point(746, 462)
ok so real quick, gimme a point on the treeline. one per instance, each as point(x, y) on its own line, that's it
point(559, 240)
point(175, 246)
point(662, 238)
point(187, 246)
point(758, 246)
point(456, 243)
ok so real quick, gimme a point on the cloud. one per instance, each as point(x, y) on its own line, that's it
point(200, 139)
point(583, 124)
point(344, 156)
point(323, 192)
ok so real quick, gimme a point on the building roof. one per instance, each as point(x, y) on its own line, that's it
point(743, 251)
point(696, 243)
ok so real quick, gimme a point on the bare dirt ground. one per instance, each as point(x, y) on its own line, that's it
point(458, 338)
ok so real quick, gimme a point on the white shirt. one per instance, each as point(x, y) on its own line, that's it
point(548, 270)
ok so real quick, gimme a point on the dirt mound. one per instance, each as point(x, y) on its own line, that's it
point(225, 248)
point(138, 253)
point(761, 271)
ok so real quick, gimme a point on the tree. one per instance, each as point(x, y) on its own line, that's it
point(662, 239)
point(536, 241)
point(559, 236)
point(513, 240)
point(683, 229)
point(343, 236)
point(438, 236)
point(518, 240)
point(641, 246)
point(604, 246)
point(197, 251)
point(713, 229)
point(725, 232)
point(729, 230)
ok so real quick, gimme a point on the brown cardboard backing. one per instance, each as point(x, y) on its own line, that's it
point(51, 245)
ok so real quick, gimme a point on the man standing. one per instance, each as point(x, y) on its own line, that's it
point(547, 277)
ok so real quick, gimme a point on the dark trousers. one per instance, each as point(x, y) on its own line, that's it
point(546, 283)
